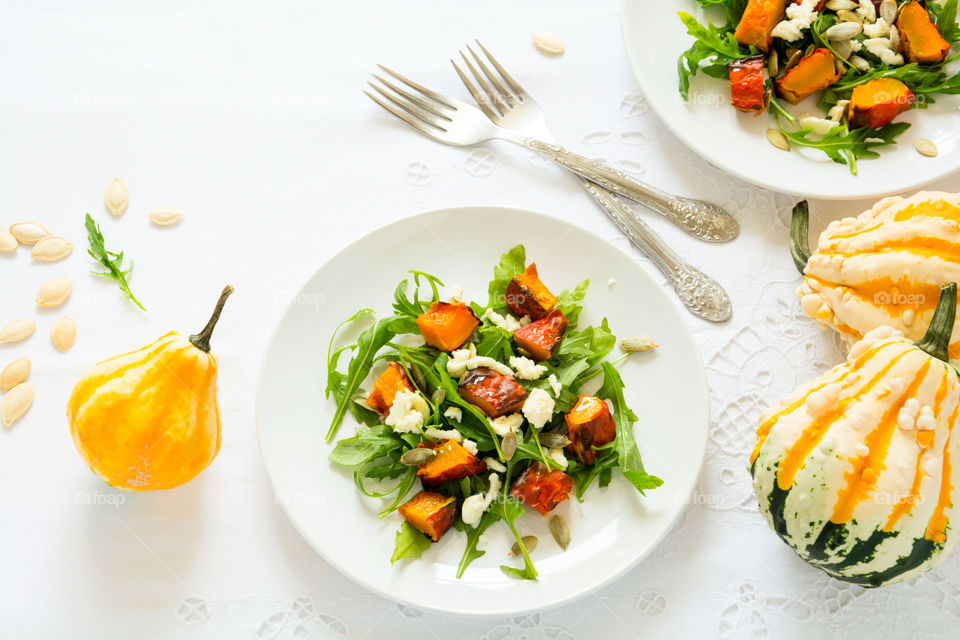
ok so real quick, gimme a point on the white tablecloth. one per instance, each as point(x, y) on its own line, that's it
point(249, 116)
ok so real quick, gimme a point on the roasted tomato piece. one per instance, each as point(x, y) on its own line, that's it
point(447, 325)
point(494, 393)
point(452, 462)
point(589, 424)
point(876, 103)
point(392, 381)
point(746, 84)
point(815, 72)
point(430, 513)
point(542, 488)
point(542, 337)
point(920, 41)
point(757, 23)
point(527, 296)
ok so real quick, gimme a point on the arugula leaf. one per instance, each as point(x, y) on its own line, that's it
point(112, 261)
point(713, 44)
point(510, 509)
point(409, 543)
point(947, 20)
point(844, 146)
point(569, 302)
point(732, 8)
point(593, 343)
point(511, 263)
point(471, 553)
point(369, 444)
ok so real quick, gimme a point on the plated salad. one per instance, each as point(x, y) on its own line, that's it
point(865, 62)
point(481, 410)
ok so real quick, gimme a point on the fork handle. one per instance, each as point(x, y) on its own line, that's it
point(704, 220)
point(700, 293)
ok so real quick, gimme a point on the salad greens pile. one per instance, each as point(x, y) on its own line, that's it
point(375, 450)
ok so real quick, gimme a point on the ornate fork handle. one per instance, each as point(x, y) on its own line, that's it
point(704, 220)
point(701, 294)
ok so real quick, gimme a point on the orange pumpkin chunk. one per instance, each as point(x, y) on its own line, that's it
point(919, 39)
point(757, 23)
point(430, 513)
point(392, 381)
point(447, 325)
point(542, 337)
point(495, 394)
point(589, 424)
point(746, 84)
point(815, 72)
point(542, 488)
point(876, 103)
point(528, 296)
point(452, 462)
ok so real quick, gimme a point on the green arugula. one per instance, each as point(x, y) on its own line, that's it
point(471, 552)
point(409, 543)
point(712, 44)
point(509, 509)
point(846, 147)
point(570, 302)
point(112, 261)
point(513, 262)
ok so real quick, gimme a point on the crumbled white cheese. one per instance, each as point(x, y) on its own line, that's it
point(525, 320)
point(454, 413)
point(444, 434)
point(407, 412)
point(867, 11)
point(798, 19)
point(555, 385)
point(556, 454)
point(470, 446)
point(494, 465)
point(526, 368)
point(538, 409)
point(462, 360)
point(507, 322)
point(505, 424)
point(474, 506)
point(878, 29)
point(455, 295)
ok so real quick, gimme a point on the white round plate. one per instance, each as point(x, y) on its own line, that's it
point(737, 142)
point(612, 530)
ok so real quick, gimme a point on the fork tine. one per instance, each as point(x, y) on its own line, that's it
point(491, 98)
point(420, 119)
point(480, 99)
point(432, 107)
point(444, 100)
point(503, 72)
point(502, 91)
point(419, 125)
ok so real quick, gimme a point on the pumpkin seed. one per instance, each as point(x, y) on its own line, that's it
point(845, 15)
point(15, 403)
point(165, 216)
point(860, 64)
point(868, 10)
point(417, 376)
point(926, 147)
point(14, 373)
point(638, 343)
point(63, 333)
point(116, 197)
point(29, 232)
point(417, 457)
point(438, 396)
point(888, 11)
point(509, 445)
point(773, 63)
point(553, 440)
point(839, 65)
point(841, 5)
point(810, 48)
point(54, 293)
point(777, 139)
point(894, 38)
point(529, 543)
point(793, 57)
point(17, 330)
point(51, 249)
point(8, 242)
point(547, 42)
point(560, 531)
point(843, 30)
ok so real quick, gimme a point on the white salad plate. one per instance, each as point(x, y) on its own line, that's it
point(612, 530)
point(736, 142)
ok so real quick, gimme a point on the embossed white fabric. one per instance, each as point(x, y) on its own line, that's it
point(249, 116)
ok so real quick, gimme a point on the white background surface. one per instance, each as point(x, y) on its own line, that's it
point(249, 117)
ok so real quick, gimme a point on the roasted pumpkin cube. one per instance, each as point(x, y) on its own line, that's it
point(528, 296)
point(494, 393)
point(920, 41)
point(542, 488)
point(589, 424)
point(392, 381)
point(757, 22)
point(876, 103)
point(430, 513)
point(452, 462)
point(814, 72)
point(746, 84)
point(542, 337)
point(447, 325)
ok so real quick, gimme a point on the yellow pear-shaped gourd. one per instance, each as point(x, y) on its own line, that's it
point(148, 419)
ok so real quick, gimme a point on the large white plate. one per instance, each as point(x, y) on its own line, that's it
point(736, 142)
point(612, 530)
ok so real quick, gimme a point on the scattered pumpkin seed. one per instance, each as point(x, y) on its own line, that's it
point(54, 293)
point(509, 445)
point(438, 396)
point(889, 11)
point(14, 373)
point(8, 242)
point(547, 42)
point(860, 64)
point(841, 5)
point(116, 197)
point(793, 57)
point(63, 333)
point(777, 139)
point(843, 30)
point(810, 49)
point(417, 376)
point(165, 216)
point(15, 403)
point(845, 15)
point(17, 330)
point(926, 147)
point(638, 343)
point(560, 531)
point(29, 232)
point(554, 440)
point(417, 457)
point(773, 63)
point(843, 48)
point(529, 543)
point(51, 249)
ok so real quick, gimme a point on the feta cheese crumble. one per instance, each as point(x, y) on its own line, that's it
point(526, 368)
point(463, 360)
point(538, 409)
point(556, 454)
point(455, 295)
point(444, 434)
point(799, 18)
point(494, 465)
point(407, 412)
point(555, 385)
point(454, 413)
point(470, 446)
point(474, 506)
point(507, 322)
point(505, 424)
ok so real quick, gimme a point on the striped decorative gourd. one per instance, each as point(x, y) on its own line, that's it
point(856, 469)
point(883, 268)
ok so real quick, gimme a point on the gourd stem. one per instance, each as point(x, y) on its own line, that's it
point(936, 341)
point(799, 242)
point(202, 340)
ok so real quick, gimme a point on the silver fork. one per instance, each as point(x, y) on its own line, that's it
point(451, 121)
point(507, 104)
